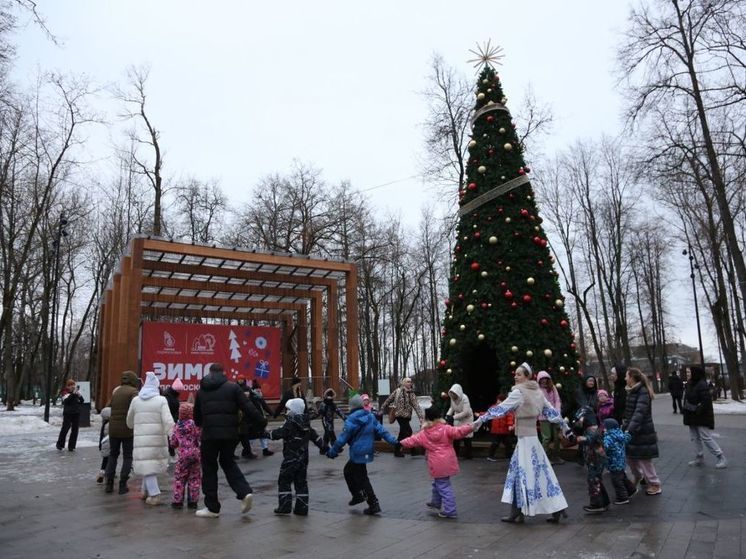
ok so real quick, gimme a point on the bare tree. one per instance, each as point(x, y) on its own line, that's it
point(145, 135)
point(200, 210)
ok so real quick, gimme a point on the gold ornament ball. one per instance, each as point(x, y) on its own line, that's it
point(547, 353)
point(482, 169)
point(462, 327)
point(473, 291)
point(490, 102)
point(489, 90)
point(480, 96)
point(493, 240)
point(474, 226)
point(480, 337)
point(502, 130)
point(484, 273)
point(528, 198)
point(537, 228)
point(508, 146)
point(472, 143)
point(560, 303)
point(504, 100)
point(562, 369)
point(514, 348)
point(469, 308)
point(452, 342)
point(530, 281)
point(559, 386)
point(485, 81)
point(508, 220)
point(512, 363)
point(450, 317)
point(449, 371)
point(529, 353)
point(507, 268)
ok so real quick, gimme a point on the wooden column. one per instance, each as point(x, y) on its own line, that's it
point(115, 362)
point(122, 316)
point(333, 339)
point(133, 308)
point(353, 370)
point(317, 353)
point(303, 344)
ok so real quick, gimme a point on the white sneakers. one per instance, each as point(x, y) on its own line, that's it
point(153, 500)
point(698, 461)
point(246, 503)
point(206, 513)
point(721, 463)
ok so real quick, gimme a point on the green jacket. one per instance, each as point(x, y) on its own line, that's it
point(120, 405)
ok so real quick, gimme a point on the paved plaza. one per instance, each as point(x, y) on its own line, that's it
point(53, 508)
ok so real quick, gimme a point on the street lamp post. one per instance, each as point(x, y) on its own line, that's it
point(56, 249)
point(694, 266)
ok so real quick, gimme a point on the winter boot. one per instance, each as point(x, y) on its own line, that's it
point(373, 508)
point(357, 499)
point(515, 516)
point(123, 489)
point(109, 488)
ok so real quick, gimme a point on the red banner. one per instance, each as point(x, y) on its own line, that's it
point(186, 351)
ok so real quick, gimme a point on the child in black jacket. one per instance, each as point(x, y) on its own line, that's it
point(296, 433)
point(327, 411)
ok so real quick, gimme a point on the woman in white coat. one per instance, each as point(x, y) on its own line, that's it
point(462, 414)
point(152, 422)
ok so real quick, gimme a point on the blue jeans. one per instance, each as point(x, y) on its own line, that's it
point(443, 496)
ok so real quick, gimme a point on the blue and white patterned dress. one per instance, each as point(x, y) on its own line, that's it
point(531, 483)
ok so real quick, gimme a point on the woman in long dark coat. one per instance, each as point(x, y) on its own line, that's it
point(700, 417)
point(638, 422)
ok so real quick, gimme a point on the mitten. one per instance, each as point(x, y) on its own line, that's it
point(331, 453)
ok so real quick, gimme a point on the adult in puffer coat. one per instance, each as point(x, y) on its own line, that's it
point(700, 417)
point(438, 439)
point(151, 421)
point(359, 432)
point(638, 422)
point(462, 414)
point(120, 436)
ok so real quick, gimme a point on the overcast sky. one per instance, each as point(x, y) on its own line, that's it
point(239, 89)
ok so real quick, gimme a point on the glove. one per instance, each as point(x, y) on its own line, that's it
point(331, 453)
point(571, 438)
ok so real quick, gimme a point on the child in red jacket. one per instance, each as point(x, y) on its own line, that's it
point(436, 437)
point(502, 429)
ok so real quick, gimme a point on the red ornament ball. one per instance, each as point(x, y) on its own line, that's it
point(490, 151)
point(521, 172)
point(475, 266)
point(572, 345)
point(483, 305)
point(539, 262)
point(527, 298)
point(442, 362)
point(524, 212)
point(477, 235)
point(544, 322)
point(472, 186)
point(458, 248)
point(508, 294)
point(503, 285)
point(514, 305)
point(490, 118)
point(564, 323)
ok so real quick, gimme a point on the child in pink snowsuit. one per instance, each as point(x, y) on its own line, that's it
point(436, 437)
point(185, 439)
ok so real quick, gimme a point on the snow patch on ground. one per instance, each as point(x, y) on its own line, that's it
point(729, 407)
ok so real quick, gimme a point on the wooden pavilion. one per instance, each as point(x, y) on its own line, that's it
point(159, 279)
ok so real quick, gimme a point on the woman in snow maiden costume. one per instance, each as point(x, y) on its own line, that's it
point(151, 421)
point(531, 487)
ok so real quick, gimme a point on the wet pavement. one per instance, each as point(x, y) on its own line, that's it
point(54, 508)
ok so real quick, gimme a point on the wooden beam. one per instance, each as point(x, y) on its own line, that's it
point(177, 313)
point(171, 247)
point(208, 302)
point(229, 288)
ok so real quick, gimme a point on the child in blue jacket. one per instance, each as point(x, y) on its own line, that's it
point(615, 442)
point(359, 432)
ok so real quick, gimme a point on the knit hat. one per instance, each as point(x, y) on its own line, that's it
point(295, 406)
point(611, 423)
point(186, 411)
point(542, 375)
point(602, 393)
point(177, 385)
point(356, 402)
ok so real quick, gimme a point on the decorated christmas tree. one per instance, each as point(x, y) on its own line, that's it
point(504, 305)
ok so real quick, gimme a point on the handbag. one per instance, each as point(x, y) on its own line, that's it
point(392, 415)
point(688, 406)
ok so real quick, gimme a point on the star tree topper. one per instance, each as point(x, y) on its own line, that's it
point(486, 54)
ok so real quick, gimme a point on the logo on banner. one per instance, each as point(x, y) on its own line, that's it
point(204, 344)
point(169, 343)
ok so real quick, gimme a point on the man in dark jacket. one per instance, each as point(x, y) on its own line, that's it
point(216, 412)
point(121, 436)
point(619, 382)
point(676, 389)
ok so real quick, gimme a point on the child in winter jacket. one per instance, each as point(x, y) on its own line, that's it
point(103, 443)
point(436, 437)
point(296, 433)
point(615, 442)
point(327, 411)
point(359, 432)
point(594, 458)
point(503, 431)
point(605, 406)
point(188, 472)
